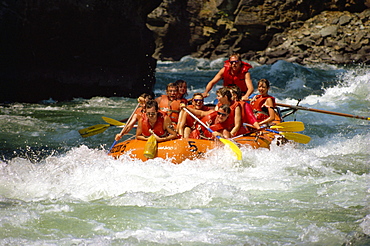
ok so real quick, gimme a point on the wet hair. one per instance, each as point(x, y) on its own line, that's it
point(151, 104)
point(235, 89)
point(198, 94)
point(146, 96)
point(237, 55)
point(225, 91)
point(225, 108)
point(264, 81)
point(172, 85)
point(180, 82)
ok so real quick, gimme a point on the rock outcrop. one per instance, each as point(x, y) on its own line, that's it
point(66, 49)
point(303, 31)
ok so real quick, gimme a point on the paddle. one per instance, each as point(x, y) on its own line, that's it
point(114, 122)
point(228, 143)
point(323, 111)
point(120, 124)
point(93, 130)
point(289, 126)
point(96, 129)
point(296, 137)
point(150, 148)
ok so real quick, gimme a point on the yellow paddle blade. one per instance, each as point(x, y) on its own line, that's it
point(93, 130)
point(150, 149)
point(289, 126)
point(233, 147)
point(296, 137)
point(113, 121)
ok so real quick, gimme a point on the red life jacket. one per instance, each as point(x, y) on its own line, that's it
point(190, 121)
point(171, 108)
point(230, 122)
point(247, 113)
point(236, 79)
point(158, 126)
point(261, 112)
point(209, 120)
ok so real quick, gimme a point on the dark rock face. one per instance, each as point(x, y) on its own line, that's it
point(303, 31)
point(67, 49)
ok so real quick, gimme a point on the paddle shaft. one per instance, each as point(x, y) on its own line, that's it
point(196, 118)
point(323, 111)
point(129, 119)
point(233, 147)
point(114, 143)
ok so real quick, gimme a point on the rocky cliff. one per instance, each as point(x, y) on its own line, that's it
point(65, 49)
point(68, 48)
point(303, 31)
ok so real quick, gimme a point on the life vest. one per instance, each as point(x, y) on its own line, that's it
point(171, 108)
point(158, 126)
point(236, 79)
point(190, 121)
point(260, 111)
point(139, 112)
point(247, 113)
point(209, 120)
point(230, 122)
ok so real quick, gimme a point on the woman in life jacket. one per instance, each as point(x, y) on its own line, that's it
point(183, 90)
point(155, 122)
point(186, 122)
point(234, 121)
point(246, 109)
point(143, 98)
point(216, 121)
point(263, 104)
point(234, 72)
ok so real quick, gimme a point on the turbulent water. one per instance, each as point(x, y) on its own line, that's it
point(57, 188)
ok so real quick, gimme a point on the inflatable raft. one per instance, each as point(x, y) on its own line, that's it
point(187, 148)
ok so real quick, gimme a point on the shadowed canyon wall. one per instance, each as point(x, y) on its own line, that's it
point(65, 49)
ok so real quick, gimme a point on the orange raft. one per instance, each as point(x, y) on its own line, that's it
point(187, 148)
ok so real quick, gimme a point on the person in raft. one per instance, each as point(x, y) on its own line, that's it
point(263, 104)
point(170, 104)
point(183, 90)
point(246, 109)
point(234, 121)
point(217, 122)
point(186, 122)
point(234, 72)
point(143, 98)
point(154, 121)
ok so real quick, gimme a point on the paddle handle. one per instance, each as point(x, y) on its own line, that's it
point(132, 114)
point(323, 111)
point(201, 122)
point(272, 131)
point(111, 147)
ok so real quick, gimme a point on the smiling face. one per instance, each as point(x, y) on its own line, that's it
point(151, 113)
point(235, 63)
point(182, 88)
point(197, 102)
point(222, 99)
point(263, 88)
point(221, 115)
point(172, 92)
